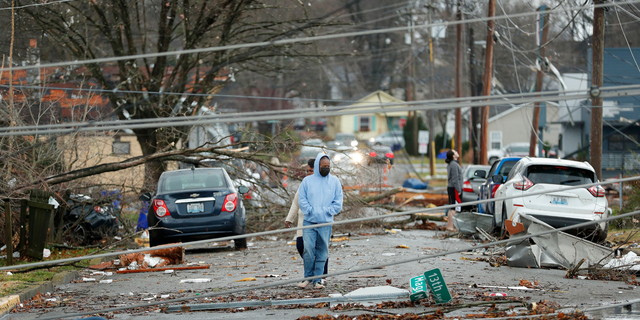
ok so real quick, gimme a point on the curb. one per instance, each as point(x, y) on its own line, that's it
point(9, 302)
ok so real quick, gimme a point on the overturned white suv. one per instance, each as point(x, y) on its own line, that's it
point(558, 208)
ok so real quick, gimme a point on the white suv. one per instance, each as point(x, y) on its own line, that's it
point(558, 208)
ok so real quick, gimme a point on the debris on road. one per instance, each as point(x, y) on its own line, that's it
point(197, 280)
point(466, 222)
point(246, 279)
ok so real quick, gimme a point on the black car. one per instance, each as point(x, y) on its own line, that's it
point(195, 204)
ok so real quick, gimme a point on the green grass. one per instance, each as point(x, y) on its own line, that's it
point(11, 284)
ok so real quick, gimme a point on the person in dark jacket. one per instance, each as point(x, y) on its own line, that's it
point(454, 184)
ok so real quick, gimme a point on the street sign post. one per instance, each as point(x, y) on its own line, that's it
point(438, 288)
point(418, 288)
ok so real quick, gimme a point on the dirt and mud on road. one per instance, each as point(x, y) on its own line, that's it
point(481, 284)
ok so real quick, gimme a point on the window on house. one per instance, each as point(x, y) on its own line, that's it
point(365, 123)
point(121, 147)
point(496, 139)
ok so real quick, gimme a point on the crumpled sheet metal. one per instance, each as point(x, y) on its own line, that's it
point(466, 222)
point(523, 255)
point(564, 248)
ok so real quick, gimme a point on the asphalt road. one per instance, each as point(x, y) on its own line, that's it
point(271, 256)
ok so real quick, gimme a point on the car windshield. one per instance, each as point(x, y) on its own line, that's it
point(559, 175)
point(345, 136)
point(506, 167)
point(313, 142)
point(197, 179)
point(519, 149)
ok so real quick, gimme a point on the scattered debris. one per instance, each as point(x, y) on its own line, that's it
point(467, 222)
point(166, 270)
point(245, 279)
point(402, 246)
point(197, 280)
point(368, 276)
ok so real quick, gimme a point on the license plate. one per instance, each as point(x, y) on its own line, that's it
point(560, 200)
point(195, 207)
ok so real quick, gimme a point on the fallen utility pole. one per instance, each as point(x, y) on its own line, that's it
point(597, 58)
point(542, 50)
point(458, 131)
point(486, 87)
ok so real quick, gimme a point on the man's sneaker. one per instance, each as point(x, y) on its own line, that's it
point(323, 282)
point(318, 286)
point(303, 284)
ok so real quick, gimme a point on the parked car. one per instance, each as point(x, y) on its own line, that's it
point(346, 139)
point(473, 176)
point(487, 190)
point(516, 149)
point(558, 208)
point(194, 204)
point(311, 149)
point(389, 138)
point(555, 152)
point(379, 154)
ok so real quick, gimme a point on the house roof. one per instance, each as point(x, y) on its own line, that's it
point(380, 96)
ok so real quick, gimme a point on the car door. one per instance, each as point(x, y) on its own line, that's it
point(483, 191)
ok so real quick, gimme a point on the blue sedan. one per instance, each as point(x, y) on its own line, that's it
point(487, 190)
point(195, 204)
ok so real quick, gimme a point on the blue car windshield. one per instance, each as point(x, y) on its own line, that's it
point(189, 180)
point(506, 167)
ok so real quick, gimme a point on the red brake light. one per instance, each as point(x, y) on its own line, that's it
point(466, 187)
point(248, 195)
point(389, 155)
point(160, 208)
point(230, 202)
point(523, 185)
point(372, 154)
point(597, 191)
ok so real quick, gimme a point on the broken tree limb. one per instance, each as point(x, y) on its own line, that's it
point(573, 272)
point(163, 269)
point(428, 216)
point(381, 196)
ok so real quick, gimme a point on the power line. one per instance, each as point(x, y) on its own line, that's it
point(289, 41)
point(606, 92)
point(36, 5)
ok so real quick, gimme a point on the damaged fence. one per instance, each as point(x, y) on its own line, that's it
point(512, 240)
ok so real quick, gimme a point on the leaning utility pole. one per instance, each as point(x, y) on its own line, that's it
point(597, 58)
point(544, 23)
point(458, 132)
point(486, 87)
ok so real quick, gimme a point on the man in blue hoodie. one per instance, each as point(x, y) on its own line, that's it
point(319, 198)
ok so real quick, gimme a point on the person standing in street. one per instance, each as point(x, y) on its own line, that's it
point(320, 198)
point(454, 185)
point(295, 211)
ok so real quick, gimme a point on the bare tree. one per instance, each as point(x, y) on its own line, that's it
point(88, 30)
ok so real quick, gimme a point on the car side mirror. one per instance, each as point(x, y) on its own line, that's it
point(496, 178)
point(145, 196)
point(480, 174)
point(243, 189)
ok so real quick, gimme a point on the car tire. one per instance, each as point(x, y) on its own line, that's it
point(503, 227)
point(155, 239)
point(76, 237)
point(240, 243)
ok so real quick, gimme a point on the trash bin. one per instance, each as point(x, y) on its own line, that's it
point(40, 215)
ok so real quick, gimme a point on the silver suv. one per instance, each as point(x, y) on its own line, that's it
point(388, 138)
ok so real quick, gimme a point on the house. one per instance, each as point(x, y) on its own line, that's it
point(621, 115)
point(366, 126)
point(513, 124)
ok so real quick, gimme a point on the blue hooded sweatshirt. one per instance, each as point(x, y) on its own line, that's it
point(320, 198)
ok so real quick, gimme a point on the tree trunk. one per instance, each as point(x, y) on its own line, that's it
point(150, 145)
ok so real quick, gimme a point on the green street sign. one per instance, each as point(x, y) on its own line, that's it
point(438, 288)
point(418, 288)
